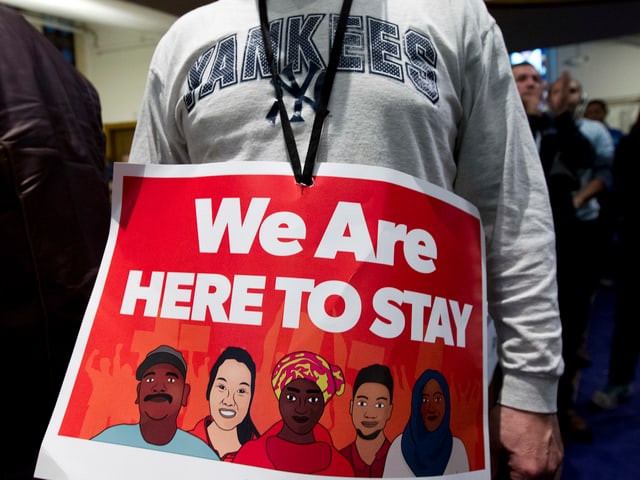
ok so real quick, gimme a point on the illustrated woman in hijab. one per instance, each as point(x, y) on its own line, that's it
point(303, 383)
point(427, 447)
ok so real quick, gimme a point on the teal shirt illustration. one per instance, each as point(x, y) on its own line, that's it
point(182, 442)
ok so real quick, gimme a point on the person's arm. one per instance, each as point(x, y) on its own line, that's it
point(500, 172)
point(157, 138)
point(575, 149)
point(602, 167)
point(590, 190)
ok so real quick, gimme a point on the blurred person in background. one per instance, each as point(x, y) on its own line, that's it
point(584, 266)
point(624, 349)
point(564, 154)
point(597, 109)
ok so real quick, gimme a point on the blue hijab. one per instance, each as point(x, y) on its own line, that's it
point(427, 453)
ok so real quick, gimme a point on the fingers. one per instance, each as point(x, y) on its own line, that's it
point(532, 443)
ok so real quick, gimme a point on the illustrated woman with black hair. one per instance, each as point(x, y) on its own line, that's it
point(229, 393)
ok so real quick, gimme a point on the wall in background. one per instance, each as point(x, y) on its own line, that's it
point(117, 63)
point(610, 70)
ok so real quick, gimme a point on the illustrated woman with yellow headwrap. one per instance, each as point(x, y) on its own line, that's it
point(303, 383)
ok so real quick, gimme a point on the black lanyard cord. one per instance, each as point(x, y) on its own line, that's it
point(305, 177)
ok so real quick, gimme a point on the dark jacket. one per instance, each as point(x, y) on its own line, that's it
point(626, 170)
point(54, 222)
point(563, 152)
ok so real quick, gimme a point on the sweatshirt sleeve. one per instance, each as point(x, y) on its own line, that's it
point(500, 172)
point(157, 138)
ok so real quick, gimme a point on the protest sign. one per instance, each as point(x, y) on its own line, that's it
point(309, 285)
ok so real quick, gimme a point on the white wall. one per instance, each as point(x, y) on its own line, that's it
point(608, 70)
point(116, 61)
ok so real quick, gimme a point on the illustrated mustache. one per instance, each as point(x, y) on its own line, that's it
point(158, 397)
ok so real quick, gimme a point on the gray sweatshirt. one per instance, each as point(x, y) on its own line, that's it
point(423, 87)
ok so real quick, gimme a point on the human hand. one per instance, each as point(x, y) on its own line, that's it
point(558, 101)
point(531, 104)
point(529, 443)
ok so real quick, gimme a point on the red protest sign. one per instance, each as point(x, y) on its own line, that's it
point(367, 267)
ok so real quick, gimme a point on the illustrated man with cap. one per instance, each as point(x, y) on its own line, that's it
point(162, 391)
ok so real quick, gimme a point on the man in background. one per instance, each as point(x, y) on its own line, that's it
point(583, 270)
point(624, 349)
point(54, 219)
point(598, 110)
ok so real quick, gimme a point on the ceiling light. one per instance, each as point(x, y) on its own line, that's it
point(115, 13)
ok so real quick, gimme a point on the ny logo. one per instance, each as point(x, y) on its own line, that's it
point(289, 84)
